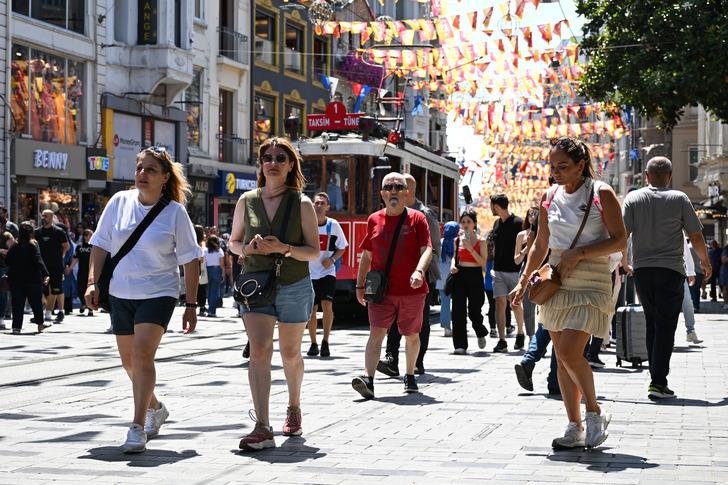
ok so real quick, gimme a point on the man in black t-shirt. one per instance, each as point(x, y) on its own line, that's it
point(53, 243)
point(82, 256)
point(505, 269)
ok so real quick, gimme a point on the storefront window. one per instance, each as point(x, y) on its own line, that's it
point(47, 96)
point(67, 14)
point(265, 37)
point(192, 106)
point(337, 184)
point(294, 49)
point(62, 198)
point(197, 208)
point(312, 173)
point(320, 57)
point(265, 118)
point(295, 110)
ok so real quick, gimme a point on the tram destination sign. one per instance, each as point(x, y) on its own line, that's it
point(335, 119)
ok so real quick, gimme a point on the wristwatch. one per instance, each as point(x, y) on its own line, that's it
point(287, 254)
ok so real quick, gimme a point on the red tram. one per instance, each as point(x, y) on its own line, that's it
point(350, 170)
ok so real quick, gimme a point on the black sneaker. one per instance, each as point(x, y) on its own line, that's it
point(313, 350)
point(595, 362)
point(520, 340)
point(524, 371)
point(90, 313)
point(419, 369)
point(388, 367)
point(59, 317)
point(656, 392)
point(501, 346)
point(410, 384)
point(364, 385)
point(493, 333)
point(510, 329)
point(325, 349)
point(554, 391)
point(246, 351)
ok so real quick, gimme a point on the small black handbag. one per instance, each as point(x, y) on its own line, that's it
point(107, 270)
point(258, 288)
point(375, 285)
point(452, 277)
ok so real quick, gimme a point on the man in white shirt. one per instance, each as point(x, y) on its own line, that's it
point(332, 242)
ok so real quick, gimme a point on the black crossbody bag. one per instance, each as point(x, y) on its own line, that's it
point(451, 278)
point(104, 282)
point(375, 285)
point(258, 289)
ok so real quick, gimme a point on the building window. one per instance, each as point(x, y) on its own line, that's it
point(47, 96)
point(193, 103)
point(199, 9)
point(293, 59)
point(265, 37)
point(265, 118)
point(67, 14)
point(320, 57)
point(693, 161)
point(295, 110)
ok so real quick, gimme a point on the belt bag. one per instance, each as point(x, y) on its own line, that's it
point(375, 285)
point(257, 289)
point(545, 281)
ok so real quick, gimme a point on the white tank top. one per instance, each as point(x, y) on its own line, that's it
point(566, 212)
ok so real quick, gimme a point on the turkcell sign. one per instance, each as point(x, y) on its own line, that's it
point(50, 160)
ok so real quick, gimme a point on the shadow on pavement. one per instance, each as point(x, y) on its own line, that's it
point(678, 401)
point(293, 450)
point(620, 370)
point(218, 427)
point(602, 460)
point(453, 371)
point(688, 350)
point(417, 399)
point(148, 459)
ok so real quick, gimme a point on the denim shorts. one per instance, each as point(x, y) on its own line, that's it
point(293, 303)
point(127, 313)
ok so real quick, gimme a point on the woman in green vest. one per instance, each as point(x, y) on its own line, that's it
point(276, 206)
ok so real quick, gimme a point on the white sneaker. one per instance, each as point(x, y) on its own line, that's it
point(136, 440)
point(154, 420)
point(447, 332)
point(48, 316)
point(596, 428)
point(573, 438)
point(481, 342)
point(460, 352)
point(692, 337)
point(2, 325)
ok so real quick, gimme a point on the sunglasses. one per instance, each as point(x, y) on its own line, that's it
point(394, 187)
point(279, 159)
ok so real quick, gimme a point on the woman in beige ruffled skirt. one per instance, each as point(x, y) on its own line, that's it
point(583, 305)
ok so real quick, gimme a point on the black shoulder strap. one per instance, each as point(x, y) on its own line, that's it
point(393, 246)
point(138, 231)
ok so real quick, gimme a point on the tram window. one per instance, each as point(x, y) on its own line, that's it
point(312, 173)
point(448, 187)
point(433, 191)
point(361, 181)
point(337, 184)
point(419, 174)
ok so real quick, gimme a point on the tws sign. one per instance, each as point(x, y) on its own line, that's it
point(147, 31)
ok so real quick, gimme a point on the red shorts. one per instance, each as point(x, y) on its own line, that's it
point(406, 309)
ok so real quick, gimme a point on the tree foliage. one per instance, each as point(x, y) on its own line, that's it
point(657, 55)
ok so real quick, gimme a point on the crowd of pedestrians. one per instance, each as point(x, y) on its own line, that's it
point(282, 257)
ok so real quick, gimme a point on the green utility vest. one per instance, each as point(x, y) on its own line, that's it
point(256, 222)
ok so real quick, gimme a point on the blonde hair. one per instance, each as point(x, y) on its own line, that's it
point(177, 188)
point(295, 179)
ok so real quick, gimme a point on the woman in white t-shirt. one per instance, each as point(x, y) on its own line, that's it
point(214, 261)
point(145, 285)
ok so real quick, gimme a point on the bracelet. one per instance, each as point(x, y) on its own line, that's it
point(190, 305)
point(359, 287)
point(421, 271)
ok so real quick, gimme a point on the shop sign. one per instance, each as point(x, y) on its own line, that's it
point(147, 30)
point(126, 143)
point(231, 184)
point(43, 159)
point(200, 185)
point(97, 163)
point(336, 118)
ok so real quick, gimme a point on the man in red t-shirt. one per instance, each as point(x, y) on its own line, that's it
point(407, 288)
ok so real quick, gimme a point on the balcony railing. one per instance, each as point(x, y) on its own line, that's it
point(233, 45)
point(233, 149)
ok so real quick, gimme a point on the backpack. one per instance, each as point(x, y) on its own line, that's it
point(329, 223)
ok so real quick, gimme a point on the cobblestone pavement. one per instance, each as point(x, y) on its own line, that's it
point(66, 403)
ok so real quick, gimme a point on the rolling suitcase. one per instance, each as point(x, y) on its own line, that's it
point(631, 335)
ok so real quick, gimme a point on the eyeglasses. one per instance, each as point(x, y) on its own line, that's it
point(394, 187)
point(157, 149)
point(279, 159)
